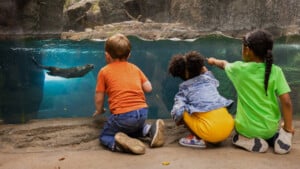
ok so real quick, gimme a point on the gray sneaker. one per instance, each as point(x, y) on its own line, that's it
point(129, 144)
point(157, 133)
point(283, 143)
point(250, 144)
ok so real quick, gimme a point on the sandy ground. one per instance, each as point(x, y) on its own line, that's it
point(90, 155)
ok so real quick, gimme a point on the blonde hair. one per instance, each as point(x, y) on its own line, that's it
point(118, 46)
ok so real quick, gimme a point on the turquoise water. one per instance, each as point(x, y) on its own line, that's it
point(27, 92)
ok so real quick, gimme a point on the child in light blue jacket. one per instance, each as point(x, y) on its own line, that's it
point(198, 104)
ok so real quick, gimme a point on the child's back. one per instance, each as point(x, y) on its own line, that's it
point(259, 84)
point(125, 84)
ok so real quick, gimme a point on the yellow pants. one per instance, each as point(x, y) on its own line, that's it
point(213, 126)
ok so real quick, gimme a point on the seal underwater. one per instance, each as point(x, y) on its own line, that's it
point(71, 72)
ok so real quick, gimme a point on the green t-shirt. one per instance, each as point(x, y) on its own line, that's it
point(257, 115)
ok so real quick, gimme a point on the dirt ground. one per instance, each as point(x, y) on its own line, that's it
point(47, 144)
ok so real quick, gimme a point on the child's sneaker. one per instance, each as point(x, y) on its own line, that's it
point(157, 133)
point(253, 144)
point(192, 141)
point(283, 143)
point(129, 144)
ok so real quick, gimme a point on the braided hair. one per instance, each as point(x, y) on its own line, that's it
point(261, 43)
point(186, 66)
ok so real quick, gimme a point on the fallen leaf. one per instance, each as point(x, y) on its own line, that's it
point(61, 158)
point(165, 163)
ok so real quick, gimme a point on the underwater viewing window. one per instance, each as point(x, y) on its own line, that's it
point(27, 91)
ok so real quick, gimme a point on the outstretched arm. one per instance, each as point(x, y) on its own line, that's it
point(216, 62)
point(178, 108)
point(147, 87)
point(287, 112)
point(99, 102)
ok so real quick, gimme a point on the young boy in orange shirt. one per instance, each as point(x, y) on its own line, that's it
point(125, 84)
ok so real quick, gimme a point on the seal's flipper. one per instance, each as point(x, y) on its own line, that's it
point(39, 65)
point(35, 62)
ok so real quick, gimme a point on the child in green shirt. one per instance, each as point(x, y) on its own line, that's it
point(259, 83)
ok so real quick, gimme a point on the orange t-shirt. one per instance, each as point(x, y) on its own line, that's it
point(122, 82)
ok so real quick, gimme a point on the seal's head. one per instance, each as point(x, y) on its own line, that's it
point(90, 66)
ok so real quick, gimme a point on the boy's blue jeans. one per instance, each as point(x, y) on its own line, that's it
point(131, 123)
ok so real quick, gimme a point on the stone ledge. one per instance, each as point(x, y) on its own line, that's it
point(158, 31)
point(76, 134)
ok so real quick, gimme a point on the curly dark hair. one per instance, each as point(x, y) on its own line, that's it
point(261, 43)
point(186, 66)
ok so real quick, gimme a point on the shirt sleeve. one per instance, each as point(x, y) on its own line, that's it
point(178, 107)
point(229, 69)
point(282, 85)
point(213, 79)
point(143, 76)
point(232, 70)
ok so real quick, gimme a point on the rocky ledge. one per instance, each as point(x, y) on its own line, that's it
point(144, 30)
point(65, 134)
point(76, 134)
point(156, 31)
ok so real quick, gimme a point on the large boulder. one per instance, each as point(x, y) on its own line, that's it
point(83, 14)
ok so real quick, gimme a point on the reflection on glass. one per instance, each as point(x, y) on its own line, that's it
point(28, 92)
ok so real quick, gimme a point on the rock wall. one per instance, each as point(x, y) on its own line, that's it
point(237, 15)
point(31, 17)
point(280, 17)
point(44, 16)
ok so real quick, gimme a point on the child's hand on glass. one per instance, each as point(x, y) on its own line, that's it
point(99, 112)
point(211, 60)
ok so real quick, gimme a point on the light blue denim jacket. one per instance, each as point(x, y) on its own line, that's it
point(198, 94)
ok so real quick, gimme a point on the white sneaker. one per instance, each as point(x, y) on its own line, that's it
point(250, 144)
point(192, 141)
point(283, 143)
